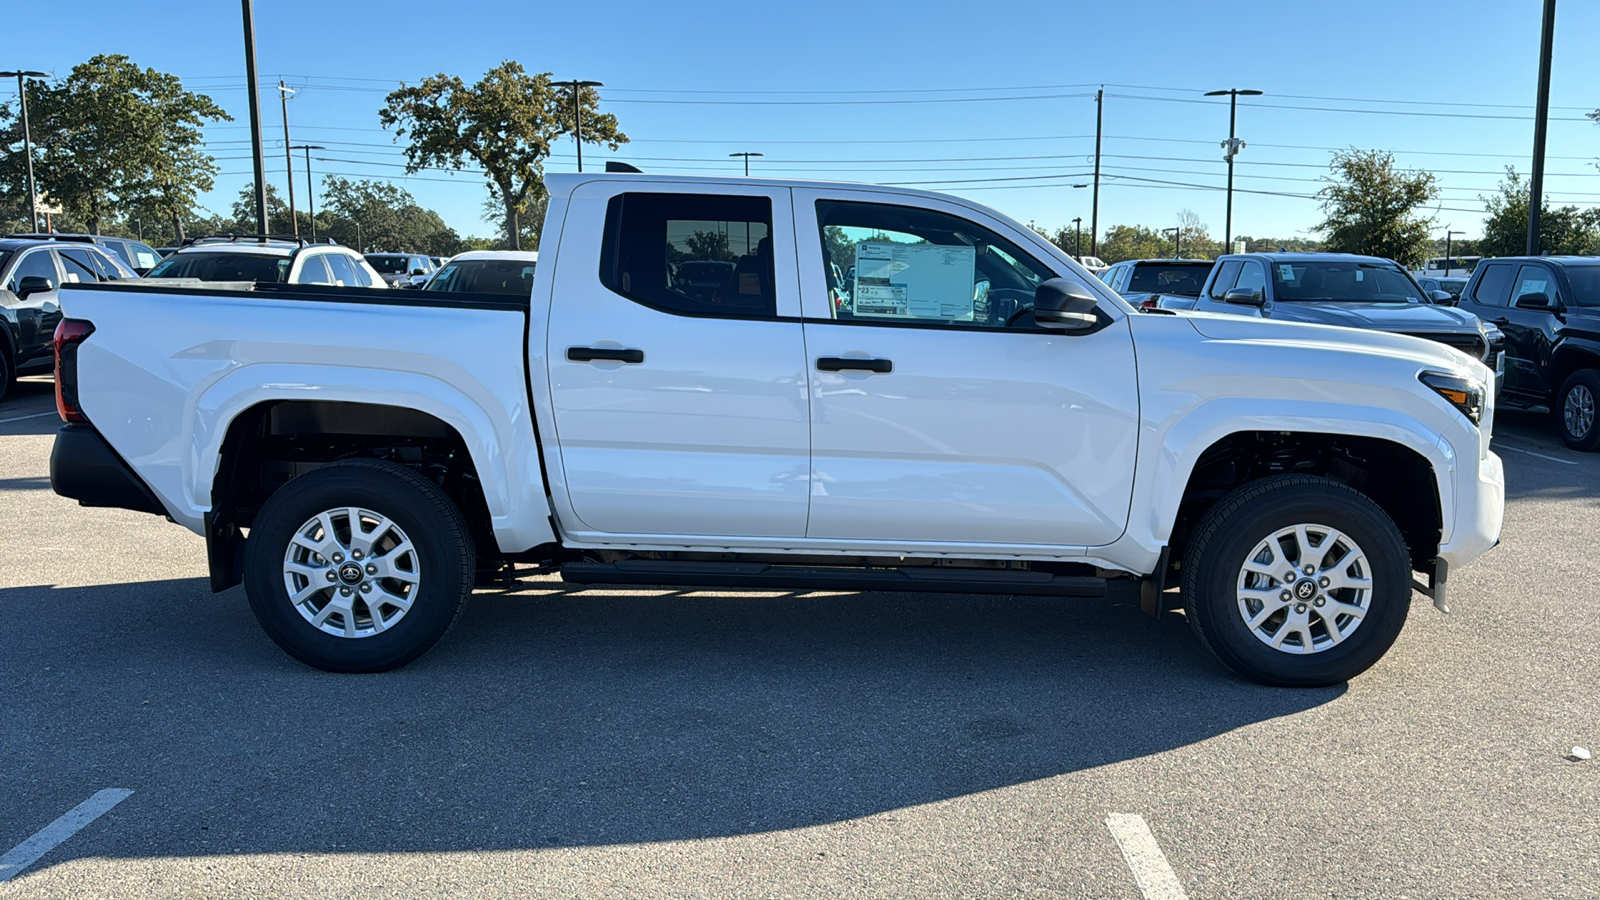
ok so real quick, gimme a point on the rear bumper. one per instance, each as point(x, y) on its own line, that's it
point(85, 468)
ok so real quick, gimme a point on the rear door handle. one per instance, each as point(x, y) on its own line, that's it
point(593, 354)
point(840, 364)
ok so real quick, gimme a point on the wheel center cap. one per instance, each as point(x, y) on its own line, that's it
point(350, 573)
point(1305, 589)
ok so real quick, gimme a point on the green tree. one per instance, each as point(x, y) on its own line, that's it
point(1133, 242)
point(1269, 244)
point(244, 213)
point(1371, 207)
point(113, 139)
point(506, 124)
point(1562, 230)
point(390, 218)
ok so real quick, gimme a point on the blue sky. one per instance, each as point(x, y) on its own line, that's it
point(950, 96)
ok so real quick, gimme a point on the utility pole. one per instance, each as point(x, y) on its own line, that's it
point(255, 118)
point(1232, 145)
point(1094, 211)
point(1177, 236)
point(577, 110)
point(746, 161)
point(1447, 235)
point(288, 155)
point(1077, 238)
point(311, 200)
point(1541, 123)
point(27, 140)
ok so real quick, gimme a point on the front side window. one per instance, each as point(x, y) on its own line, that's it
point(120, 248)
point(38, 263)
point(359, 272)
point(694, 254)
point(314, 271)
point(340, 264)
point(915, 265)
point(77, 265)
point(144, 255)
point(1252, 277)
point(1226, 276)
point(1533, 280)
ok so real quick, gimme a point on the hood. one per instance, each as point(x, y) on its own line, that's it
point(1401, 317)
point(1225, 327)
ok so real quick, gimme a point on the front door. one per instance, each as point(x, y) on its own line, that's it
point(39, 312)
point(939, 412)
point(677, 363)
point(1527, 350)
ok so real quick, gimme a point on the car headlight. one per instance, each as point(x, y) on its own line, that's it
point(1463, 394)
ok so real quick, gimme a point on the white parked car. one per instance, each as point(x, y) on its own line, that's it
point(982, 415)
point(249, 259)
point(487, 272)
point(402, 270)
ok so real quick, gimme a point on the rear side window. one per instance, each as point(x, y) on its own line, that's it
point(314, 271)
point(1226, 275)
point(691, 254)
point(1494, 287)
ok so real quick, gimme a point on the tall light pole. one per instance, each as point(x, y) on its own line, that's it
point(311, 198)
point(746, 160)
point(1077, 238)
point(1541, 124)
point(255, 118)
point(1177, 236)
point(288, 155)
point(1094, 209)
point(27, 138)
point(1447, 234)
point(577, 110)
point(1232, 145)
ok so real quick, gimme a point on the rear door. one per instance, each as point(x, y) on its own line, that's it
point(940, 413)
point(680, 405)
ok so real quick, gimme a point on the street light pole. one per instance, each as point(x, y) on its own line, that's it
point(1094, 209)
point(27, 139)
point(1233, 145)
point(1077, 238)
point(1447, 235)
point(288, 156)
point(255, 118)
point(1177, 236)
point(311, 193)
point(1541, 124)
point(747, 161)
point(577, 110)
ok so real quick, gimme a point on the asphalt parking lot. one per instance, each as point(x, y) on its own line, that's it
point(570, 742)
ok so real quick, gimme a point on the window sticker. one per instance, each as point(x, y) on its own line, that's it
point(1285, 272)
point(914, 281)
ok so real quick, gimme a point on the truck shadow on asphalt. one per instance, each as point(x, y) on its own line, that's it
point(1538, 464)
point(557, 716)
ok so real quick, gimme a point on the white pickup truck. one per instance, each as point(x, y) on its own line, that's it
point(689, 397)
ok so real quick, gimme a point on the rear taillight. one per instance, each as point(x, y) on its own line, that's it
point(1149, 304)
point(69, 334)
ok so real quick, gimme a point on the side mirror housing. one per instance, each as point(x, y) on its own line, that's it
point(1244, 297)
point(1526, 301)
point(34, 284)
point(1442, 297)
point(1064, 304)
point(419, 271)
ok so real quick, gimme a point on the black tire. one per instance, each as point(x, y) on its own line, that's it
point(1238, 524)
point(1586, 440)
point(6, 375)
point(426, 515)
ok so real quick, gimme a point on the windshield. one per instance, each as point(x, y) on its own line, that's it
point(486, 276)
point(389, 265)
point(223, 267)
point(1585, 282)
point(1184, 280)
point(1348, 281)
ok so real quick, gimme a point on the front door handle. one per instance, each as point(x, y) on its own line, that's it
point(840, 364)
point(593, 354)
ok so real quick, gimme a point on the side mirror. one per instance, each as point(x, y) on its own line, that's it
point(1442, 298)
point(1244, 297)
point(1064, 304)
point(1526, 301)
point(419, 272)
point(34, 284)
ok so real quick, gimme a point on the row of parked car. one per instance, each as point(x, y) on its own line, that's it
point(1534, 320)
point(34, 266)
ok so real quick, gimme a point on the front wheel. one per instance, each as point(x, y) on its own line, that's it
point(1574, 410)
point(359, 566)
point(1297, 581)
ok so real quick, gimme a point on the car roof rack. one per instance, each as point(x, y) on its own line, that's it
point(52, 236)
point(255, 238)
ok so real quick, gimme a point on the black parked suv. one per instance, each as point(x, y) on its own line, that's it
point(30, 273)
point(1549, 309)
point(135, 254)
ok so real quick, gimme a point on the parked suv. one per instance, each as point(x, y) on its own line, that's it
point(255, 258)
point(1146, 282)
point(135, 254)
point(1342, 289)
point(30, 272)
point(1549, 309)
point(403, 270)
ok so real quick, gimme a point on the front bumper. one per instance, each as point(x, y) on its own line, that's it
point(1480, 507)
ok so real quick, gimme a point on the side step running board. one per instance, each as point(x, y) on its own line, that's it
point(942, 579)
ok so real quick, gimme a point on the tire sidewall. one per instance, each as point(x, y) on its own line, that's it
point(1589, 378)
point(437, 597)
point(1218, 575)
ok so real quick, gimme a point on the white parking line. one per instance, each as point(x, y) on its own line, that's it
point(21, 418)
point(51, 836)
point(1565, 462)
point(1151, 873)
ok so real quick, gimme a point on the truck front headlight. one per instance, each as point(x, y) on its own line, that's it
point(1463, 394)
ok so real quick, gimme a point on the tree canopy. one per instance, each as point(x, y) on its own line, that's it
point(1371, 207)
point(1562, 230)
point(506, 124)
point(114, 139)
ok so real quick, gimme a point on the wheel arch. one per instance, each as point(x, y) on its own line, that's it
point(1570, 356)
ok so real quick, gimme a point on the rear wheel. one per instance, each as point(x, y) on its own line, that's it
point(1574, 410)
point(5, 374)
point(1297, 581)
point(359, 566)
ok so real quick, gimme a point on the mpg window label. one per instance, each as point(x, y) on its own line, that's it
point(913, 281)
